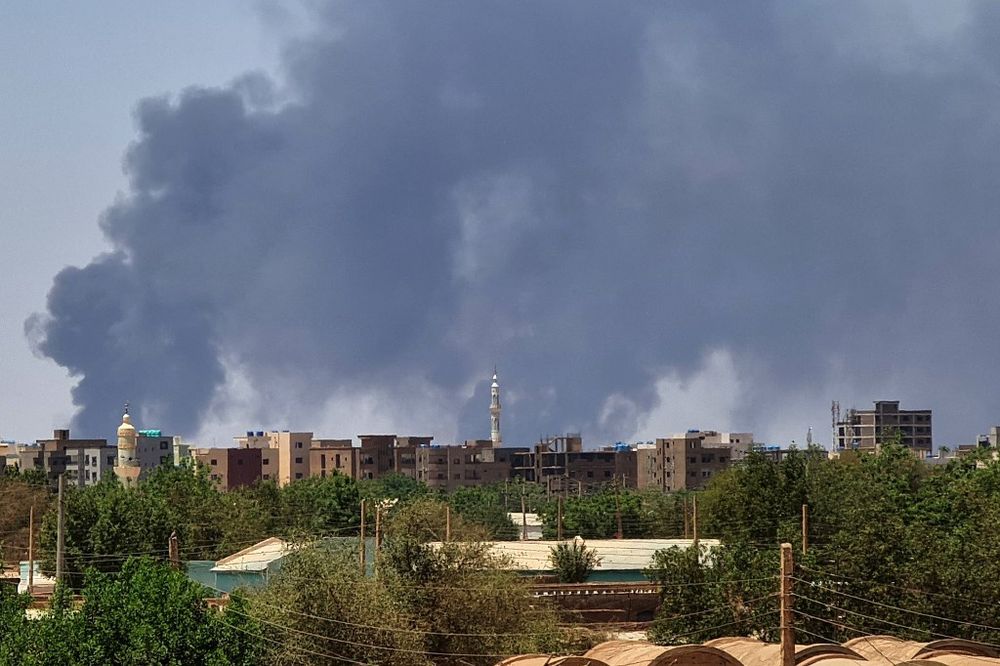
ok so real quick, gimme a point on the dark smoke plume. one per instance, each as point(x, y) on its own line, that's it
point(592, 195)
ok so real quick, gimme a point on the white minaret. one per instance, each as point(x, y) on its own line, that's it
point(495, 410)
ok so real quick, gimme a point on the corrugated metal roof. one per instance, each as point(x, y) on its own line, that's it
point(255, 558)
point(615, 554)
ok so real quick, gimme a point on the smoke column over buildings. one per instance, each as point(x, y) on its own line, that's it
point(594, 196)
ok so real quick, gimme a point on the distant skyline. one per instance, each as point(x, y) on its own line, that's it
point(653, 217)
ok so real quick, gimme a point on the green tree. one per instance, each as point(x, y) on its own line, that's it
point(328, 505)
point(319, 609)
point(573, 561)
point(484, 506)
point(471, 608)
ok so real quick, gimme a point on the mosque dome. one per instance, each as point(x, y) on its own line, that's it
point(126, 428)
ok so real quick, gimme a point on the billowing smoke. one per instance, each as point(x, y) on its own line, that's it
point(597, 197)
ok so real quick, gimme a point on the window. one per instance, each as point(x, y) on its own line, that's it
point(722, 459)
point(164, 445)
point(590, 474)
point(323, 474)
point(337, 463)
point(213, 462)
point(607, 474)
point(163, 460)
point(265, 461)
point(111, 460)
point(86, 459)
point(267, 477)
point(298, 445)
point(298, 461)
point(322, 462)
point(298, 475)
point(693, 460)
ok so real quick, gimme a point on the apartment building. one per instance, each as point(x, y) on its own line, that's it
point(284, 454)
point(153, 449)
point(333, 456)
point(230, 467)
point(474, 463)
point(79, 459)
point(378, 457)
point(688, 461)
point(563, 466)
point(288, 456)
point(868, 429)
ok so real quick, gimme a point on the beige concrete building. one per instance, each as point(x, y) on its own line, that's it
point(867, 429)
point(474, 463)
point(333, 456)
point(689, 461)
point(286, 453)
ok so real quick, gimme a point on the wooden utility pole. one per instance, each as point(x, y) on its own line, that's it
point(805, 528)
point(524, 520)
point(684, 511)
point(174, 551)
point(60, 532)
point(559, 522)
point(447, 522)
point(618, 512)
point(31, 548)
point(361, 541)
point(579, 489)
point(694, 521)
point(787, 630)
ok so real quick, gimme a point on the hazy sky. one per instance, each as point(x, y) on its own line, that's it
point(651, 216)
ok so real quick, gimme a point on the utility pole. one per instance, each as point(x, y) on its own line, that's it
point(524, 520)
point(618, 512)
point(174, 551)
point(787, 630)
point(579, 489)
point(361, 541)
point(559, 520)
point(31, 548)
point(447, 522)
point(684, 510)
point(805, 528)
point(694, 521)
point(60, 532)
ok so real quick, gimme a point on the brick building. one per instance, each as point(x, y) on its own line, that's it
point(230, 467)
